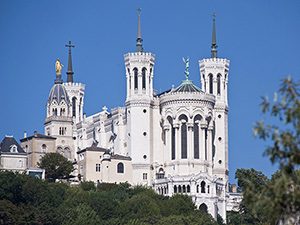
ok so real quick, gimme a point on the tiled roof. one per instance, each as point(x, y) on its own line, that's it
point(37, 135)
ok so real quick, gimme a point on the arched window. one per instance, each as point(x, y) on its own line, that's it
point(59, 150)
point(120, 168)
point(210, 77)
point(183, 118)
point(208, 189)
point(74, 106)
point(179, 189)
point(196, 136)
point(203, 207)
point(135, 73)
point(54, 111)
point(202, 187)
point(188, 189)
point(173, 142)
point(144, 78)
point(219, 84)
point(183, 189)
point(175, 189)
point(197, 188)
point(44, 148)
point(129, 77)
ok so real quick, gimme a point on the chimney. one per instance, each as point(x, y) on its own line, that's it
point(25, 134)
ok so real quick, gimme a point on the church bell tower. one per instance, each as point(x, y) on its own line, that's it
point(139, 67)
point(214, 80)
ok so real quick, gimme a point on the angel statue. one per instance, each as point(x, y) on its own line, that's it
point(58, 67)
point(187, 66)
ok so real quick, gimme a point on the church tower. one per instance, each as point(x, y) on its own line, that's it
point(139, 67)
point(214, 80)
point(75, 90)
point(59, 123)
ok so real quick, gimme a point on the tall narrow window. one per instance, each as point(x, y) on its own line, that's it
point(210, 83)
point(202, 187)
point(196, 136)
point(74, 106)
point(173, 143)
point(219, 84)
point(135, 72)
point(144, 78)
point(183, 119)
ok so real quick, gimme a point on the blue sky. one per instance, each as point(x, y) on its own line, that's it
point(260, 38)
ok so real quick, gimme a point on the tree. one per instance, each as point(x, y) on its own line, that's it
point(56, 166)
point(280, 198)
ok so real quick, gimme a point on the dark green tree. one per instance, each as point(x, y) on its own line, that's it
point(280, 199)
point(56, 166)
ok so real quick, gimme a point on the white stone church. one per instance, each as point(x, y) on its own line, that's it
point(175, 141)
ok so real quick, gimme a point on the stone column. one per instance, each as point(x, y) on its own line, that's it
point(209, 143)
point(140, 89)
point(168, 140)
point(190, 141)
point(203, 144)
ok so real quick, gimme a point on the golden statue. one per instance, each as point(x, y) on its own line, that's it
point(58, 67)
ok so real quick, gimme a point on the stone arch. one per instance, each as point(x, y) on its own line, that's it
point(197, 118)
point(120, 167)
point(203, 207)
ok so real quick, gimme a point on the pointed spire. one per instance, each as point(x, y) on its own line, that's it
point(139, 40)
point(70, 67)
point(214, 39)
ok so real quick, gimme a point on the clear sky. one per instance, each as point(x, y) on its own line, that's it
point(260, 38)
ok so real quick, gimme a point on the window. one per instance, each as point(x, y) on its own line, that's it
point(144, 176)
point(219, 84)
point(74, 106)
point(183, 189)
point(97, 167)
point(62, 131)
point(196, 136)
point(144, 78)
point(188, 189)
point(120, 168)
point(173, 143)
point(175, 189)
point(135, 72)
point(67, 153)
point(13, 149)
point(202, 187)
point(44, 148)
point(183, 118)
point(197, 188)
point(203, 207)
point(210, 83)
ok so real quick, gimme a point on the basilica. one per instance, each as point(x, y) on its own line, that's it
point(174, 142)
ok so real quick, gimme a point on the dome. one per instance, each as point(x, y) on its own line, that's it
point(187, 86)
point(58, 93)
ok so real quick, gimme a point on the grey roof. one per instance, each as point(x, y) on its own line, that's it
point(7, 143)
point(187, 86)
point(92, 148)
point(37, 135)
point(121, 157)
point(58, 92)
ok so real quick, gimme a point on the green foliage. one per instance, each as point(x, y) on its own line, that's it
point(26, 200)
point(275, 201)
point(56, 166)
point(88, 186)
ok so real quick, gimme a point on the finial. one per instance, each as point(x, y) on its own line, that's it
point(214, 39)
point(139, 40)
point(70, 67)
point(58, 68)
point(187, 66)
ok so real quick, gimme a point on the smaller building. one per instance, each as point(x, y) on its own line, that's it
point(12, 155)
point(37, 146)
point(233, 199)
point(99, 165)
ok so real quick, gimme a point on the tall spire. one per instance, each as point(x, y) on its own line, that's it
point(139, 40)
point(70, 67)
point(214, 39)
